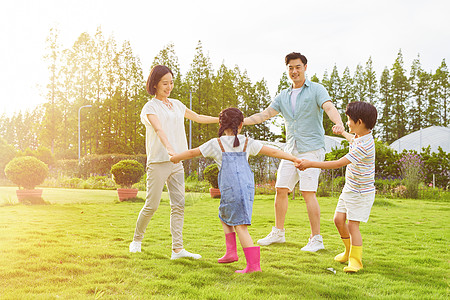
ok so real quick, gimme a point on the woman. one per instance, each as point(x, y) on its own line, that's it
point(165, 136)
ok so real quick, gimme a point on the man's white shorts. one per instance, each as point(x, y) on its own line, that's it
point(357, 206)
point(288, 175)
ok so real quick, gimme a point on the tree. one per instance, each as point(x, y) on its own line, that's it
point(400, 88)
point(370, 83)
point(441, 92)
point(359, 84)
point(333, 86)
point(420, 82)
point(386, 120)
point(167, 57)
point(199, 79)
point(51, 124)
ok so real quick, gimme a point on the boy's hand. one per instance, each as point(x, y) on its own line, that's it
point(338, 129)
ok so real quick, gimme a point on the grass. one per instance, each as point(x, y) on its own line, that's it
point(77, 248)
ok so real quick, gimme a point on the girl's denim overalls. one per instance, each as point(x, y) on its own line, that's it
point(237, 187)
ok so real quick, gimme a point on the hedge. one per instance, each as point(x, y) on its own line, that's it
point(100, 165)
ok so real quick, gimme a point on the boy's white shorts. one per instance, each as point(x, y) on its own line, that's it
point(357, 206)
point(288, 175)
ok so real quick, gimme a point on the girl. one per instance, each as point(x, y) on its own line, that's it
point(236, 183)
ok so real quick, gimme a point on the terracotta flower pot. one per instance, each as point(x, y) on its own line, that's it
point(27, 194)
point(127, 193)
point(215, 193)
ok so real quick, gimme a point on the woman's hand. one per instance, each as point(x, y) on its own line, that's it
point(171, 152)
point(174, 159)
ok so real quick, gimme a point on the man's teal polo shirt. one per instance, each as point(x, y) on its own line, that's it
point(304, 127)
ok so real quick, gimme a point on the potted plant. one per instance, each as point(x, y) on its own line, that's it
point(125, 174)
point(27, 172)
point(211, 172)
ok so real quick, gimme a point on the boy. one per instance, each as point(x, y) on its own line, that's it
point(358, 194)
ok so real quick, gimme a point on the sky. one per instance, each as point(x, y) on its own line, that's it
point(255, 35)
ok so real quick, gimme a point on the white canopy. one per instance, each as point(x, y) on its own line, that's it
point(433, 136)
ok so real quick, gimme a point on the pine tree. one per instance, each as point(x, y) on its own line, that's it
point(370, 83)
point(199, 79)
point(359, 84)
point(386, 103)
point(441, 91)
point(400, 95)
point(335, 92)
point(51, 124)
point(420, 86)
point(226, 90)
point(167, 57)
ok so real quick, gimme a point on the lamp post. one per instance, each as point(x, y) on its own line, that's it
point(79, 131)
point(190, 122)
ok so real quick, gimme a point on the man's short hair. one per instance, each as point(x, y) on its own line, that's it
point(295, 55)
point(363, 111)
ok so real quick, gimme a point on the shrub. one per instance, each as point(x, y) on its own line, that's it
point(386, 186)
point(127, 172)
point(99, 183)
point(411, 169)
point(26, 171)
point(211, 172)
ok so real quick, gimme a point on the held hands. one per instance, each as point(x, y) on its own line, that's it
point(338, 129)
point(172, 156)
point(303, 164)
point(174, 159)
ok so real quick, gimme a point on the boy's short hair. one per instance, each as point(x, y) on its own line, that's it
point(363, 111)
point(295, 55)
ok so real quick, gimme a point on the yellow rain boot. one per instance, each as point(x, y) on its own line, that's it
point(355, 260)
point(343, 257)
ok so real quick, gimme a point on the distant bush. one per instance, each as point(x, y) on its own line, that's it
point(99, 183)
point(26, 171)
point(42, 153)
point(7, 153)
point(101, 164)
point(65, 167)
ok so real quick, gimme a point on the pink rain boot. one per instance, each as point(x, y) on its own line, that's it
point(252, 254)
point(231, 254)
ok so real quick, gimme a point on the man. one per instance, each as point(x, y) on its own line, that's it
point(302, 106)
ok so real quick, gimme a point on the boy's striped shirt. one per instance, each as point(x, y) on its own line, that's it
point(360, 174)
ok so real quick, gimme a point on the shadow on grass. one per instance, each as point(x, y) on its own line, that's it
point(382, 202)
point(131, 200)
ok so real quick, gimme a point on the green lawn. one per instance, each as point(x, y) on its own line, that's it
point(77, 247)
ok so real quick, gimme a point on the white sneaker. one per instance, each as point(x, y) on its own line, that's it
point(275, 236)
point(314, 244)
point(184, 253)
point(135, 247)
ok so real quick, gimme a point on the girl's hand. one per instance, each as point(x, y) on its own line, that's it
point(303, 165)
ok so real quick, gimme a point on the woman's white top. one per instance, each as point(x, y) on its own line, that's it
point(172, 123)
